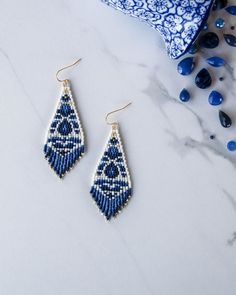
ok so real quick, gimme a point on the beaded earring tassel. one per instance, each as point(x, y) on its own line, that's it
point(111, 188)
point(65, 139)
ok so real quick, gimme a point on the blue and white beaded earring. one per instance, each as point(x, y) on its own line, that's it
point(111, 188)
point(65, 138)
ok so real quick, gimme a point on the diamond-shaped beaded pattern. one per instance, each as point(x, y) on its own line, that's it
point(65, 139)
point(111, 189)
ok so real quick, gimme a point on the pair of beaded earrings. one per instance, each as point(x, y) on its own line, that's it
point(65, 145)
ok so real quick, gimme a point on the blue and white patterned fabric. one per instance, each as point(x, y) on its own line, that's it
point(178, 21)
point(65, 139)
point(111, 189)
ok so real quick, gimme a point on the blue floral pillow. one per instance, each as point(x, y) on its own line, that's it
point(178, 21)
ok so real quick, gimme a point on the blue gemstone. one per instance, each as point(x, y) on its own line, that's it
point(216, 61)
point(209, 40)
point(230, 39)
point(184, 95)
point(193, 48)
point(186, 66)
point(231, 9)
point(203, 79)
point(220, 4)
point(224, 119)
point(231, 145)
point(215, 98)
point(220, 23)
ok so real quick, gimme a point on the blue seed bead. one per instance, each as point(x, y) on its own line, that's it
point(231, 145)
point(220, 23)
point(184, 95)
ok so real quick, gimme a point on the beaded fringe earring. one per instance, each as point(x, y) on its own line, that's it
point(111, 188)
point(65, 139)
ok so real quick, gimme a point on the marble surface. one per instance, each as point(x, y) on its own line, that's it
point(178, 234)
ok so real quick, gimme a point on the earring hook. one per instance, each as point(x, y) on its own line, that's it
point(69, 66)
point(115, 111)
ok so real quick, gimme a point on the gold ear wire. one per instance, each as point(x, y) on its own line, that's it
point(65, 81)
point(115, 111)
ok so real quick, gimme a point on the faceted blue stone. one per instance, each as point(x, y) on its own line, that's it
point(186, 66)
point(203, 79)
point(231, 9)
point(184, 95)
point(231, 145)
point(209, 40)
point(216, 61)
point(224, 119)
point(215, 98)
point(220, 23)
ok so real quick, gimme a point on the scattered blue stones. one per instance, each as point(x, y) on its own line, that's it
point(203, 79)
point(231, 145)
point(231, 9)
point(225, 120)
point(216, 61)
point(220, 4)
point(186, 66)
point(184, 95)
point(209, 40)
point(215, 98)
point(230, 40)
point(220, 23)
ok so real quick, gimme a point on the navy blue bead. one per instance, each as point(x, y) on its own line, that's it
point(224, 119)
point(193, 48)
point(186, 66)
point(231, 9)
point(184, 95)
point(219, 4)
point(209, 40)
point(203, 79)
point(216, 61)
point(230, 40)
point(231, 145)
point(215, 98)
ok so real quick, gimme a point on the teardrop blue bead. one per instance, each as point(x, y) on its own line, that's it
point(203, 79)
point(219, 4)
point(186, 66)
point(216, 61)
point(230, 39)
point(209, 40)
point(231, 145)
point(231, 9)
point(215, 98)
point(184, 95)
point(225, 120)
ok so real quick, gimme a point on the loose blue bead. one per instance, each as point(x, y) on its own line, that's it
point(219, 4)
point(231, 145)
point(220, 23)
point(184, 95)
point(209, 40)
point(216, 61)
point(231, 9)
point(186, 66)
point(215, 98)
point(203, 79)
point(193, 48)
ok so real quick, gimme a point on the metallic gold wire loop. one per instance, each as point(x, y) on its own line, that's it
point(65, 81)
point(115, 111)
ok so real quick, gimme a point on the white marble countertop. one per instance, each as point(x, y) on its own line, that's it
point(176, 237)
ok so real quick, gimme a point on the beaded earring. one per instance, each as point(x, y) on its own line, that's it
point(65, 138)
point(111, 188)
